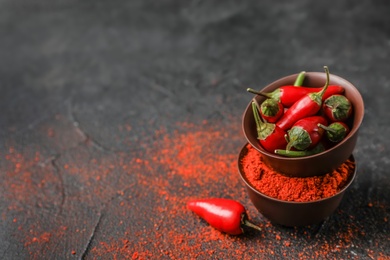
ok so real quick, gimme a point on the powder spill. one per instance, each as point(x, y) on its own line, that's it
point(137, 202)
point(197, 156)
point(279, 186)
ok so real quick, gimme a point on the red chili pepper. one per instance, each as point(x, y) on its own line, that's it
point(271, 137)
point(226, 215)
point(271, 110)
point(308, 105)
point(336, 131)
point(275, 95)
point(337, 108)
point(288, 95)
point(305, 133)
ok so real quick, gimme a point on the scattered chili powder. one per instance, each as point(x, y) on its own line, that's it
point(279, 186)
point(197, 155)
point(207, 167)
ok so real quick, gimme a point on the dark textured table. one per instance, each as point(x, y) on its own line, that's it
point(114, 113)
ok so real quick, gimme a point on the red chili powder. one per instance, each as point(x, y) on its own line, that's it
point(196, 160)
point(279, 186)
point(197, 154)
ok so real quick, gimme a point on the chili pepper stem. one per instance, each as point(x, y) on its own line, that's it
point(264, 129)
point(287, 138)
point(250, 224)
point(327, 128)
point(290, 144)
point(321, 93)
point(299, 80)
point(319, 148)
point(258, 106)
point(251, 90)
point(291, 153)
point(259, 122)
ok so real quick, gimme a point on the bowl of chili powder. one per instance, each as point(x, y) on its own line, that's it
point(293, 201)
point(320, 163)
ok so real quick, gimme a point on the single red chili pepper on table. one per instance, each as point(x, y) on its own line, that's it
point(308, 105)
point(305, 133)
point(336, 131)
point(226, 215)
point(337, 108)
point(271, 137)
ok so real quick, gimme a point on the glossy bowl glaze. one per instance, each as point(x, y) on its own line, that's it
point(289, 213)
point(320, 163)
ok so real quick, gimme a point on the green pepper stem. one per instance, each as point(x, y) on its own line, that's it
point(321, 93)
point(290, 153)
point(250, 224)
point(299, 80)
point(327, 128)
point(290, 144)
point(319, 148)
point(258, 106)
point(259, 122)
point(286, 137)
point(251, 90)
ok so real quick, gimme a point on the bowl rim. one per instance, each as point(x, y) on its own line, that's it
point(350, 134)
point(242, 175)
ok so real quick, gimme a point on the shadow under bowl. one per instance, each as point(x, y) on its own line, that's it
point(320, 163)
point(290, 213)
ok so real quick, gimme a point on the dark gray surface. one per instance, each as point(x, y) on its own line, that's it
point(74, 74)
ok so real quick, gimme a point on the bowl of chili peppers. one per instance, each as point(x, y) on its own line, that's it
point(305, 124)
point(293, 201)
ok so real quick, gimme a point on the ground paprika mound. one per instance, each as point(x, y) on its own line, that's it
point(279, 186)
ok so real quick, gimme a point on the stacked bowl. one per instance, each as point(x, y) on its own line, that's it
point(292, 213)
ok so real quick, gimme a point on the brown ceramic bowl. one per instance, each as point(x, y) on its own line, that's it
point(320, 163)
point(288, 213)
